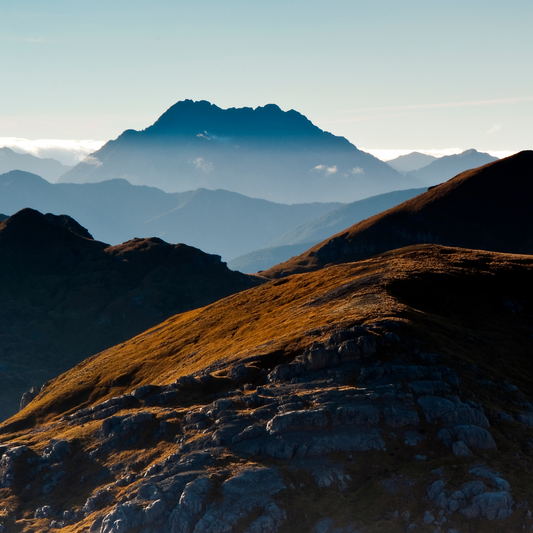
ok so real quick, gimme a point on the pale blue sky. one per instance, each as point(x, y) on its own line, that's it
point(385, 74)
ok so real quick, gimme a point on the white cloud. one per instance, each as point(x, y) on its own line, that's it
point(91, 160)
point(69, 152)
point(328, 171)
point(201, 164)
point(494, 129)
point(357, 170)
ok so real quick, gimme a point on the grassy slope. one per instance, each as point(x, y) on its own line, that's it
point(451, 300)
point(277, 316)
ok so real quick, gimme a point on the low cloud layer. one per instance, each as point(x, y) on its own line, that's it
point(68, 152)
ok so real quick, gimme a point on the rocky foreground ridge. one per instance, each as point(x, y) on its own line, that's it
point(380, 396)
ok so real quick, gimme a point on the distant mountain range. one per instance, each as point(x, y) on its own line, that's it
point(408, 162)
point(485, 208)
point(301, 238)
point(263, 153)
point(447, 167)
point(221, 222)
point(49, 169)
point(66, 296)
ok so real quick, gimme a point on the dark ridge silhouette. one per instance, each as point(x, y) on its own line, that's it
point(448, 166)
point(66, 296)
point(264, 153)
point(487, 208)
point(49, 169)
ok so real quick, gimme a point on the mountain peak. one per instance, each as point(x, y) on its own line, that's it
point(263, 153)
point(204, 119)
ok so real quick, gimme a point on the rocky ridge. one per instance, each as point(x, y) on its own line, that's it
point(385, 405)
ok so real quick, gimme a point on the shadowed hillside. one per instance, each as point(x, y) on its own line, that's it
point(66, 296)
point(487, 208)
point(263, 153)
point(363, 397)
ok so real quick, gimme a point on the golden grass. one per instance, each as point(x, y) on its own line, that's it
point(273, 317)
point(413, 286)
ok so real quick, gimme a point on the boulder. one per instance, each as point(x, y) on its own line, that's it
point(475, 437)
point(318, 357)
point(491, 505)
point(122, 518)
point(473, 488)
point(153, 512)
point(298, 420)
point(399, 416)
point(496, 481)
point(460, 449)
point(429, 387)
point(249, 490)
point(365, 414)
point(435, 489)
point(56, 451)
point(437, 408)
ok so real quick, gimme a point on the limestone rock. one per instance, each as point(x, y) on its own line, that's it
point(298, 420)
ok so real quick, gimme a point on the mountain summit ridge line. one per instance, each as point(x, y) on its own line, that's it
point(263, 152)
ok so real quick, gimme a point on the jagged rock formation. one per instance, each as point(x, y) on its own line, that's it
point(379, 396)
point(66, 296)
point(488, 208)
point(263, 153)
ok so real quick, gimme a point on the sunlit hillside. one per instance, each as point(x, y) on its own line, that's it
point(342, 395)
